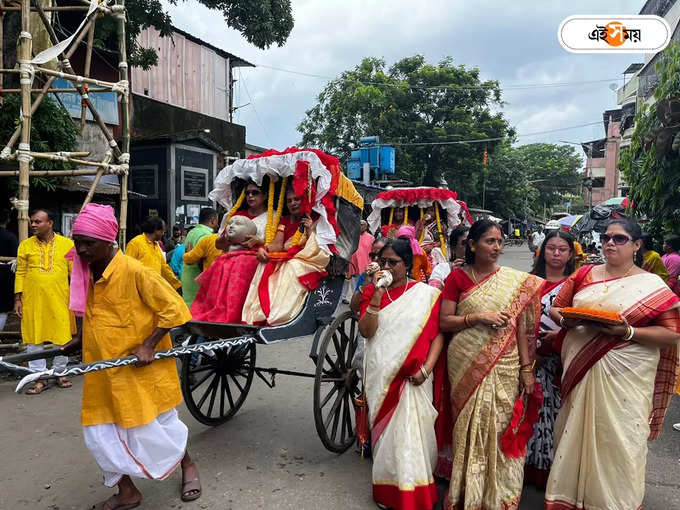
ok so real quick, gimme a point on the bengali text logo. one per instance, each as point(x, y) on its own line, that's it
point(614, 34)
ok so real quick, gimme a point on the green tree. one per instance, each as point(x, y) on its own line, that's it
point(52, 130)
point(261, 22)
point(554, 171)
point(414, 106)
point(508, 190)
point(653, 176)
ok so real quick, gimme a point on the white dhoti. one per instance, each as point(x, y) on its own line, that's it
point(150, 451)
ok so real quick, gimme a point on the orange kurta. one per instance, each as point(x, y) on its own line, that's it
point(150, 254)
point(204, 253)
point(123, 308)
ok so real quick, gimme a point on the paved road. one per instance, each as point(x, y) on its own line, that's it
point(268, 456)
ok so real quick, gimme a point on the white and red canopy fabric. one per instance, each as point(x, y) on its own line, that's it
point(293, 163)
point(420, 197)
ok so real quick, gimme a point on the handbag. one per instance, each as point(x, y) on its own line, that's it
point(525, 414)
point(361, 420)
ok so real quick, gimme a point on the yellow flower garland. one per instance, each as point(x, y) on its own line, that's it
point(422, 232)
point(274, 225)
point(405, 216)
point(236, 206)
point(439, 230)
point(270, 213)
point(296, 238)
point(391, 215)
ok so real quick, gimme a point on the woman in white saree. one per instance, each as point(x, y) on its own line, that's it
point(617, 380)
point(400, 320)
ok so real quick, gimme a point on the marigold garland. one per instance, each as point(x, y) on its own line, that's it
point(268, 235)
point(273, 226)
point(297, 237)
point(422, 232)
point(391, 215)
point(405, 216)
point(439, 231)
point(236, 206)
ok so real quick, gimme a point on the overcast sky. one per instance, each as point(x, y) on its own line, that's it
point(508, 41)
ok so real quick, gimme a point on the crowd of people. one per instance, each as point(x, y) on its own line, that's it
point(444, 371)
point(455, 344)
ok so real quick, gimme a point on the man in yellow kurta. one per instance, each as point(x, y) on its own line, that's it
point(204, 253)
point(145, 248)
point(41, 293)
point(130, 422)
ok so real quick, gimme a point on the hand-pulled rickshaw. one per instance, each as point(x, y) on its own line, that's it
point(438, 210)
point(218, 361)
point(215, 384)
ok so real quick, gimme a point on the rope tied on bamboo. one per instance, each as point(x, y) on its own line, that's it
point(122, 87)
point(25, 35)
point(117, 169)
point(19, 205)
point(24, 153)
point(27, 73)
point(118, 11)
point(124, 158)
point(6, 153)
point(61, 156)
point(65, 64)
point(122, 65)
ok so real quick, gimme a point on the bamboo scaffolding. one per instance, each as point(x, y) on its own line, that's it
point(46, 88)
point(53, 91)
point(25, 52)
point(88, 63)
point(27, 70)
point(125, 113)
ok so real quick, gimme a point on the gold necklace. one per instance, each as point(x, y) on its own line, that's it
point(474, 275)
point(606, 287)
point(387, 292)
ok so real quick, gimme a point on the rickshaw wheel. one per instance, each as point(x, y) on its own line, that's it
point(336, 383)
point(215, 385)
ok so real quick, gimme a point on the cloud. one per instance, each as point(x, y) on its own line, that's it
point(513, 42)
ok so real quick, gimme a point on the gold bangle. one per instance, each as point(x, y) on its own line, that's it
point(466, 321)
point(530, 365)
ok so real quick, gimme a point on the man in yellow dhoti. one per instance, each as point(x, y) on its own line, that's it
point(145, 248)
point(128, 413)
point(41, 293)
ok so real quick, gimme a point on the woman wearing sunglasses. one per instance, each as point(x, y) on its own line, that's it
point(400, 321)
point(554, 263)
point(617, 381)
point(493, 313)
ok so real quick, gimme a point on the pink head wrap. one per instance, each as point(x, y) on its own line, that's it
point(409, 233)
point(99, 222)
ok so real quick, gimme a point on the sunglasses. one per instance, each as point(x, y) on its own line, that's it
point(619, 239)
point(390, 262)
point(253, 192)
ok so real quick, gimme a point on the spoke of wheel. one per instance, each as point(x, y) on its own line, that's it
point(231, 399)
point(336, 419)
point(212, 398)
point(205, 395)
point(332, 379)
point(343, 335)
point(202, 368)
point(332, 363)
point(236, 382)
point(345, 413)
point(338, 351)
point(348, 416)
point(224, 381)
point(328, 396)
point(203, 379)
point(334, 408)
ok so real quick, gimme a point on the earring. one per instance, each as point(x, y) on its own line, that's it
point(473, 250)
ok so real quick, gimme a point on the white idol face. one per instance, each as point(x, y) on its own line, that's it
point(239, 227)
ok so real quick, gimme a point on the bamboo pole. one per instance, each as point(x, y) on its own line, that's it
point(88, 62)
point(95, 182)
point(36, 103)
point(2, 58)
point(125, 118)
point(49, 173)
point(50, 9)
point(25, 52)
point(52, 91)
point(74, 77)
